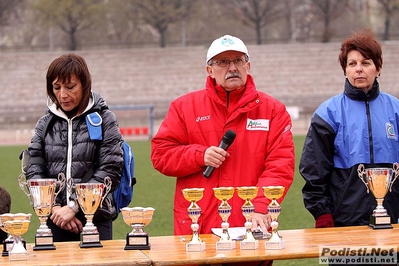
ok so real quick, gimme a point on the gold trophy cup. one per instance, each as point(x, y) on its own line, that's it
point(41, 194)
point(137, 218)
point(248, 209)
point(17, 225)
point(224, 209)
point(379, 181)
point(9, 241)
point(90, 196)
point(194, 212)
point(274, 193)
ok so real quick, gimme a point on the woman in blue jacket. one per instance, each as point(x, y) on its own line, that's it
point(357, 126)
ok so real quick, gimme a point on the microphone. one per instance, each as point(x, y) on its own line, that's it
point(227, 140)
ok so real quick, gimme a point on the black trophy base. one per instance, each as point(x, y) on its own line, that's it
point(7, 246)
point(90, 241)
point(380, 222)
point(137, 242)
point(44, 243)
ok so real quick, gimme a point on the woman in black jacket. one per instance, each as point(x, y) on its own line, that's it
point(68, 148)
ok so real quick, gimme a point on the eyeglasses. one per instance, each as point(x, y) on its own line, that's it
point(226, 63)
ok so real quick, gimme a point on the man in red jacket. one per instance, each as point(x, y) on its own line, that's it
point(187, 142)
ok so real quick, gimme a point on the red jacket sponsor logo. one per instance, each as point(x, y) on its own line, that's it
point(258, 124)
point(202, 118)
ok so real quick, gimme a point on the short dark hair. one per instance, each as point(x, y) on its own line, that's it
point(62, 68)
point(5, 201)
point(366, 44)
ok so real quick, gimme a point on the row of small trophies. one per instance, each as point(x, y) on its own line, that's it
point(42, 193)
point(274, 240)
point(377, 180)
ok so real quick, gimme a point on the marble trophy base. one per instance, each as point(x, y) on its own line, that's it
point(44, 243)
point(225, 245)
point(380, 222)
point(18, 255)
point(195, 247)
point(275, 245)
point(137, 242)
point(249, 245)
point(90, 241)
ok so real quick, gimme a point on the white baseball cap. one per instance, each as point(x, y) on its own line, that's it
point(226, 43)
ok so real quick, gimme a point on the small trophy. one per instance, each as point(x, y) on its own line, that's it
point(90, 197)
point(138, 218)
point(379, 181)
point(248, 209)
point(9, 241)
point(41, 194)
point(194, 212)
point(274, 193)
point(16, 226)
point(224, 209)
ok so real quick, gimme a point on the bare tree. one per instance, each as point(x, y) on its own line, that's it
point(389, 7)
point(123, 19)
point(159, 14)
point(329, 10)
point(7, 10)
point(258, 13)
point(71, 16)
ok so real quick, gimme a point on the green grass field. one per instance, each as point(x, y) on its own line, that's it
point(154, 190)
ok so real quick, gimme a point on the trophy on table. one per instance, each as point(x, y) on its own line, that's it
point(274, 193)
point(90, 196)
point(137, 218)
point(16, 225)
point(379, 181)
point(248, 209)
point(194, 212)
point(224, 209)
point(41, 194)
point(9, 241)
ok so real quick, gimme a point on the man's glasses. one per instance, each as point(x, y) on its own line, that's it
point(226, 63)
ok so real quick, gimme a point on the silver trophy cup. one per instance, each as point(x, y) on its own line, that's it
point(379, 181)
point(41, 194)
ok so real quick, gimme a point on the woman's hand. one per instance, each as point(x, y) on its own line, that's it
point(64, 217)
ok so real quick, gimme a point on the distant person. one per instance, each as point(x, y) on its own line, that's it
point(358, 126)
point(69, 147)
point(187, 142)
point(5, 207)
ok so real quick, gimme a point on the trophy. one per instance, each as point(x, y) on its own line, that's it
point(248, 209)
point(16, 225)
point(9, 241)
point(41, 194)
point(90, 196)
point(379, 181)
point(194, 212)
point(274, 193)
point(224, 194)
point(137, 218)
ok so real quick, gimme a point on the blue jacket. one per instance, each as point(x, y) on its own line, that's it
point(349, 129)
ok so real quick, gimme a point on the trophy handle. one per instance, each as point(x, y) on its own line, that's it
point(108, 184)
point(70, 186)
point(361, 172)
point(23, 184)
point(395, 171)
point(61, 181)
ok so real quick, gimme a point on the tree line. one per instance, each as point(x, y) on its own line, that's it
point(89, 24)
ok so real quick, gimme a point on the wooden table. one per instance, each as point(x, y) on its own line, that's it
point(301, 243)
point(171, 250)
point(69, 253)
